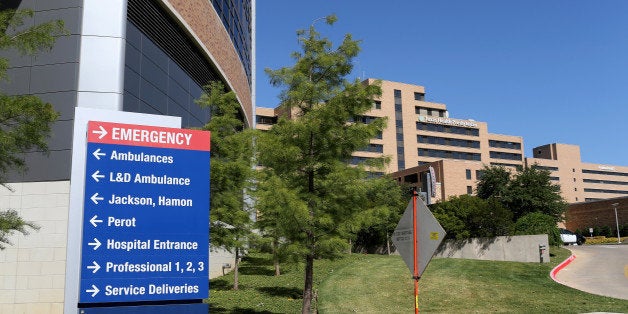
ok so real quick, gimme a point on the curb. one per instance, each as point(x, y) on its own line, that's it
point(560, 266)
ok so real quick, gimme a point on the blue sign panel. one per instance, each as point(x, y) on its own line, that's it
point(146, 214)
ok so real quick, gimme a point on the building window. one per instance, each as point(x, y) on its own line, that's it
point(444, 154)
point(501, 144)
point(373, 148)
point(446, 129)
point(377, 104)
point(469, 189)
point(265, 120)
point(397, 93)
point(419, 96)
point(478, 174)
point(237, 19)
point(468, 171)
point(502, 155)
point(155, 83)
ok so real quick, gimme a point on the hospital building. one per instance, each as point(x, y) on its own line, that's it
point(425, 137)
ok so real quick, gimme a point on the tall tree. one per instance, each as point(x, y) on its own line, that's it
point(311, 153)
point(25, 120)
point(273, 199)
point(531, 191)
point(467, 216)
point(373, 226)
point(493, 182)
point(528, 190)
point(230, 172)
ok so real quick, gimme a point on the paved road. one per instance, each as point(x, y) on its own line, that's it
point(598, 269)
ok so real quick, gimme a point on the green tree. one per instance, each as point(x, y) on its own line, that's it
point(493, 182)
point(275, 205)
point(25, 120)
point(467, 216)
point(538, 223)
point(230, 172)
point(525, 191)
point(374, 226)
point(531, 190)
point(311, 153)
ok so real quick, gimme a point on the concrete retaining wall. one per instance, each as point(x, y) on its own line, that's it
point(514, 248)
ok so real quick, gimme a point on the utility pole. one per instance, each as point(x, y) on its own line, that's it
point(617, 222)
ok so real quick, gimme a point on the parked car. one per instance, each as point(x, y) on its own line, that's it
point(570, 238)
point(581, 239)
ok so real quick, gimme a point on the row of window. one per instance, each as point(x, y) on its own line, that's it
point(605, 182)
point(508, 156)
point(373, 148)
point(364, 119)
point(606, 191)
point(424, 111)
point(155, 83)
point(502, 164)
point(401, 161)
point(609, 173)
point(448, 154)
point(478, 174)
point(447, 141)
point(237, 19)
point(446, 129)
point(355, 160)
point(265, 120)
point(502, 144)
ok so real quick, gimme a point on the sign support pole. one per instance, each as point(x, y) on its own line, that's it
point(415, 273)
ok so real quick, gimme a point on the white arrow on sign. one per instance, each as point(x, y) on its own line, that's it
point(94, 267)
point(429, 236)
point(101, 133)
point(95, 220)
point(97, 176)
point(95, 198)
point(94, 291)
point(95, 244)
point(97, 154)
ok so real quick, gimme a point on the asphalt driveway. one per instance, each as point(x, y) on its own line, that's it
point(598, 269)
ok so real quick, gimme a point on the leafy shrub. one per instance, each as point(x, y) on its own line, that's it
point(538, 223)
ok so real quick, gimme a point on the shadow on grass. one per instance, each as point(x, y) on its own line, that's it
point(258, 261)
point(256, 270)
point(220, 284)
point(286, 292)
point(238, 310)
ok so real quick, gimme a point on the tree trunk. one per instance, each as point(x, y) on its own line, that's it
point(387, 243)
point(309, 280)
point(235, 269)
point(276, 257)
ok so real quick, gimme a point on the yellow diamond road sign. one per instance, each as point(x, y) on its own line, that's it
point(429, 236)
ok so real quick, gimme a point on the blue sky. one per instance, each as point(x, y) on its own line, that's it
point(551, 71)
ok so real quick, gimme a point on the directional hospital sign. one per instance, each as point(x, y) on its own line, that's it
point(146, 214)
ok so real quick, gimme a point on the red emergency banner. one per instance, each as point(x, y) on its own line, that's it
point(149, 136)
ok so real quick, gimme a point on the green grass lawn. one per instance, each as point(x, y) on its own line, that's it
point(382, 284)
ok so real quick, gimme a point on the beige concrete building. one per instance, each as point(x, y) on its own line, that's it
point(580, 181)
point(421, 135)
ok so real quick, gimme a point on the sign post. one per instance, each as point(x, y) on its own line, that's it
point(146, 216)
point(417, 237)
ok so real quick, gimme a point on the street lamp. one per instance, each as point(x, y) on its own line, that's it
point(616, 222)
